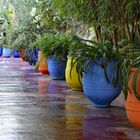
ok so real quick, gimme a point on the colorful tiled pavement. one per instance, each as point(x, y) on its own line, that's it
point(34, 107)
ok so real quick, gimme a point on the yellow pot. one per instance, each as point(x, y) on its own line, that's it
point(72, 80)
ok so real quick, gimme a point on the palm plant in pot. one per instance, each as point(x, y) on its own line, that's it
point(18, 40)
point(4, 29)
point(6, 51)
point(54, 47)
point(130, 69)
point(21, 38)
point(97, 64)
point(128, 19)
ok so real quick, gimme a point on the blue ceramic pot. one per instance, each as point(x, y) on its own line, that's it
point(31, 56)
point(7, 52)
point(97, 88)
point(56, 67)
point(36, 54)
point(34, 57)
point(16, 53)
point(1, 50)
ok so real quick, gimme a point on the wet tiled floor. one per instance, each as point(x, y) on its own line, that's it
point(34, 107)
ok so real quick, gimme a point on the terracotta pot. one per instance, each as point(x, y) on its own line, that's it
point(72, 79)
point(43, 68)
point(21, 53)
point(132, 104)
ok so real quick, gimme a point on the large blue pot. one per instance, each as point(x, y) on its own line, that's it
point(56, 67)
point(16, 53)
point(1, 50)
point(97, 88)
point(7, 52)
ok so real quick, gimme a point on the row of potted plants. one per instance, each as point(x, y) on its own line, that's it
point(7, 52)
point(108, 62)
point(114, 51)
point(103, 69)
point(54, 58)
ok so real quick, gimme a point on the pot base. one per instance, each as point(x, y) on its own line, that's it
point(133, 110)
point(102, 106)
point(58, 78)
point(77, 89)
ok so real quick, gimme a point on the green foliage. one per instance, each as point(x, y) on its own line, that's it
point(6, 15)
point(48, 16)
point(129, 59)
point(53, 44)
point(84, 52)
point(23, 12)
point(22, 37)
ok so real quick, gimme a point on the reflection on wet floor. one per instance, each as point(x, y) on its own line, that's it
point(34, 107)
